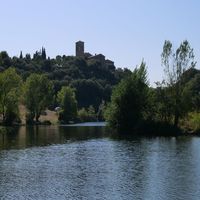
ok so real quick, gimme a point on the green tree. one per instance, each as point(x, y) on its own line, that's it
point(68, 103)
point(21, 55)
point(163, 103)
point(129, 101)
point(88, 92)
point(91, 113)
point(83, 115)
point(5, 60)
point(101, 110)
point(176, 63)
point(191, 94)
point(43, 53)
point(38, 95)
point(10, 90)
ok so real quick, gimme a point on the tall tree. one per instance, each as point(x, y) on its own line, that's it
point(21, 55)
point(5, 60)
point(38, 95)
point(129, 101)
point(176, 63)
point(43, 53)
point(10, 90)
point(67, 100)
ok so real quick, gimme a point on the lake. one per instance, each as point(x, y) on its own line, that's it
point(88, 163)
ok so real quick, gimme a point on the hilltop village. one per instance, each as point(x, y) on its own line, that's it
point(80, 52)
point(85, 83)
point(91, 77)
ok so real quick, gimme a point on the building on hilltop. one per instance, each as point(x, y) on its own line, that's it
point(87, 54)
point(80, 49)
point(97, 57)
point(109, 62)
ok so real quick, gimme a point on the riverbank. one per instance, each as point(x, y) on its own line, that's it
point(49, 117)
point(46, 116)
point(150, 128)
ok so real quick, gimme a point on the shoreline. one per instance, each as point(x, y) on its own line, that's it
point(136, 133)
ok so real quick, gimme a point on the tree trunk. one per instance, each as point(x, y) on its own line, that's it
point(4, 115)
point(176, 119)
point(37, 117)
point(177, 105)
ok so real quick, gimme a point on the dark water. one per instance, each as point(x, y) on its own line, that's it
point(87, 163)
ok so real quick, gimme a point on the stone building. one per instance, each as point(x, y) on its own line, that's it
point(98, 57)
point(109, 62)
point(80, 49)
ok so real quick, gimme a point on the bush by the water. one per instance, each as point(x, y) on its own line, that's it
point(129, 101)
point(193, 121)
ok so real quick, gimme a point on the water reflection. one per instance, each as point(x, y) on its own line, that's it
point(23, 137)
point(87, 163)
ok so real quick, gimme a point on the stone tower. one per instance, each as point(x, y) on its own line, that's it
point(80, 48)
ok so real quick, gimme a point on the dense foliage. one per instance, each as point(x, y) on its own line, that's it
point(68, 103)
point(10, 91)
point(129, 101)
point(92, 80)
point(176, 63)
point(134, 105)
point(38, 95)
point(80, 89)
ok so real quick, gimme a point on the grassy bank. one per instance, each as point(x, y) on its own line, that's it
point(48, 115)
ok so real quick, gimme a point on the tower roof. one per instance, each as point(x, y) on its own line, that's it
point(79, 41)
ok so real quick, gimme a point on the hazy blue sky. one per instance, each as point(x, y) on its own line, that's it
point(125, 31)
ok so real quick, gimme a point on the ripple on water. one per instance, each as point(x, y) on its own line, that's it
point(103, 168)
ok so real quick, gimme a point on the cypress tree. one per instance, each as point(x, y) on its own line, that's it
point(21, 55)
point(43, 53)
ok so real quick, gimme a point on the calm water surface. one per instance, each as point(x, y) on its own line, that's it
point(87, 163)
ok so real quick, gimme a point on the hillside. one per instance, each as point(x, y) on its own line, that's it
point(92, 79)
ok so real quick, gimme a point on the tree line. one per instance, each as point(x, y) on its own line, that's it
point(86, 90)
point(174, 103)
point(92, 80)
point(36, 93)
point(43, 82)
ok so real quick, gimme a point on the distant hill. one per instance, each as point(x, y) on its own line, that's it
point(92, 79)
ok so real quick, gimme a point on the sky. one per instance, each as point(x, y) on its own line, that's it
point(125, 31)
